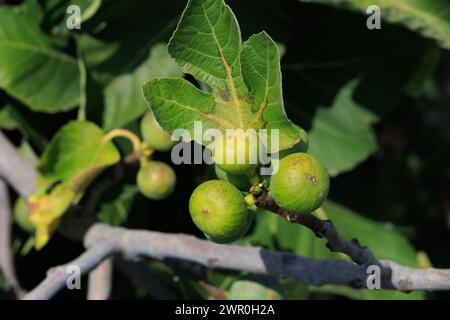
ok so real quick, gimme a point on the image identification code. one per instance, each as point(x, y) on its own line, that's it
point(226, 309)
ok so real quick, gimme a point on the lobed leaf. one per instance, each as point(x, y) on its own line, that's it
point(207, 44)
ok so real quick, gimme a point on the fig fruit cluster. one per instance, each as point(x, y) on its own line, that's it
point(219, 207)
point(222, 209)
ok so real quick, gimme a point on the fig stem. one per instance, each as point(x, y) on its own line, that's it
point(123, 133)
point(140, 149)
point(323, 229)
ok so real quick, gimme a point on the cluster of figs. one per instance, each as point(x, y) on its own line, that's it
point(224, 209)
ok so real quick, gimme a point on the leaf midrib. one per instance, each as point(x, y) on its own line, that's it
point(228, 70)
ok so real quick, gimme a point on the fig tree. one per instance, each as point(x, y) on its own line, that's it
point(156, 180)
point(301, 183)
point(219, 210)
point(155, 136)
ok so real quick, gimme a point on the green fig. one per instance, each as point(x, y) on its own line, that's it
point(301, 184)
point(155, 136)
point(236, 153)
point(156, 180)
point(219, 210)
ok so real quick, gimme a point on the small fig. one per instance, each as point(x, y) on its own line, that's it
point(240, 181)
point(22, 215)
point(155, 136)
point(219, 210)
point(156, 180)
point(236, 153)
point(301, 184)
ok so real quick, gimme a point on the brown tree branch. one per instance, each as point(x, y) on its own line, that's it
point(103, 241)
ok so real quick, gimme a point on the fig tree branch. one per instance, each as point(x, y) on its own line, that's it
point(322, 229)
point(103, 241)
point(16, 170)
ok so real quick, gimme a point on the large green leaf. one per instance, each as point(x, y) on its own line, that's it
point(341, 135)
point(207, 44)
point(32, 68)
point(74, 157)
point(123, 96)
point(430, 18)
point(383, 239)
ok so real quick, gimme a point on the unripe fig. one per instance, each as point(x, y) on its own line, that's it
point(240, 181)
point(155, 136)
point(22, 215)
point(256, 288)
point(250, 217)
point(236, 153)
point(301, 183)
point(156, 180)
point(219, 210)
